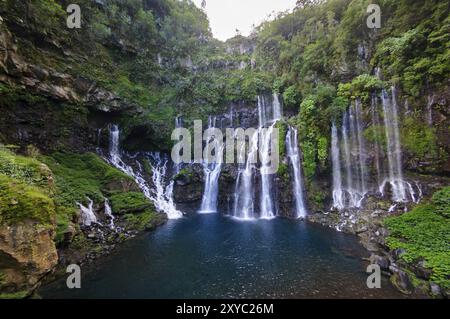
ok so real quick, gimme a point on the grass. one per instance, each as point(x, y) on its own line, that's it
point(424, 234)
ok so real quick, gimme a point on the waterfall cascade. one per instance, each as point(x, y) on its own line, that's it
point(159, 194)
point(353, 153)
point(269, 112)
point(338, 193)
point(87, 213)
point(293, 153)
point(244, 206)
point(267, 209)
point(212, 169)
point(109, 214)
point(349, 156)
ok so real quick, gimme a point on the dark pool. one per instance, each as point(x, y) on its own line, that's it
point(212, 256)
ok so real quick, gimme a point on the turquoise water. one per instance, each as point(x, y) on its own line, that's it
point(212, 256)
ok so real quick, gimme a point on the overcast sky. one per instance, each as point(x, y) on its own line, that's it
point(225, 16)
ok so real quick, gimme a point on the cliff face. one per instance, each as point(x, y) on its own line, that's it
point(49, 108)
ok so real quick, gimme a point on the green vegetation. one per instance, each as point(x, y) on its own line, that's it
point(122, 203)
point(321, 56)
point(361, 87)
point(79, 176)
point(84, 175)
point(146, 220)
point(25, 169)
point(419, 139)
point(441, 200)
point(283, 172)
point(20, 202)
point(424, 234)
point(26, 187)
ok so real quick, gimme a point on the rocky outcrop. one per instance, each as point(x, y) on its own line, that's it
point(27, 254)
point(45, 81)
point(188, 187)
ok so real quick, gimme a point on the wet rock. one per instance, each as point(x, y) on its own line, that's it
point(435, 290)
point(69, 234)
point(383, 262)
point(397, 253)
point(402, 282)
point(421, 271)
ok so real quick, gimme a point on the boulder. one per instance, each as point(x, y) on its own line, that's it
point(27, 253)
point(402, 282)
point(383, 262)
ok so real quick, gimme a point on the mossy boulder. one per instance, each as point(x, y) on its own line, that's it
point(27, 228)
point(131, 202)
point(147, 220)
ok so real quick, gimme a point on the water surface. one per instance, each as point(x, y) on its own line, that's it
point(212, 256)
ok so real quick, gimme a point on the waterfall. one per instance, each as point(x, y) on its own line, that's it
point(212, 170)
point(293, 153)
point(354, 159)
point(267, 210)
point(352, 154)
point(394, 152)
point(109, 214)
point(338, 194)
point(361, 147)
point(244, 197)
point(262, 111)
point(377, 147)
point(244, 207)
point(87, 213)
point(277, 109)
point(430, 110)
point(160, 195)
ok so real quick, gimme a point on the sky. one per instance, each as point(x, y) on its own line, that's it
point(225, 16)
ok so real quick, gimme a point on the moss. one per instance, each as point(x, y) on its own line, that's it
point(16, 295)
point(309, 159)
point(79, 176)
point(282, 131)
point(122, 203)
point(419, 139)
point(147, 220)
point(283, 172)
point(82, 175)
point(25, 169)
point(184, 173)
point(20, 202)
point(375, 134)
point(424, 234)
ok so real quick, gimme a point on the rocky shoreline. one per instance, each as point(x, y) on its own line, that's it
point(412, 279)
